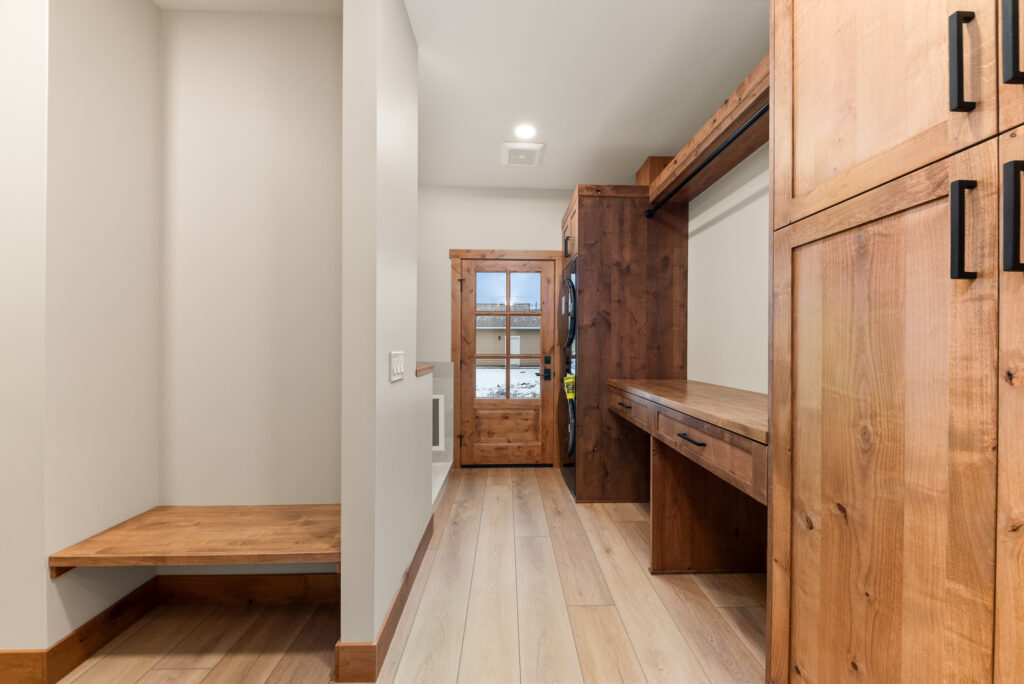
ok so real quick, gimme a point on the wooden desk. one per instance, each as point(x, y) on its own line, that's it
point(709, 472)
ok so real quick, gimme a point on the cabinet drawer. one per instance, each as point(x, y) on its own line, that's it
point(737, 460)
point(631, 407)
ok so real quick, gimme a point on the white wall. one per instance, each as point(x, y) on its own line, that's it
point(474, 218)
point(729, 285)
point(102, 287)
point(385, 473)
point(251, 289)
point(23, 576)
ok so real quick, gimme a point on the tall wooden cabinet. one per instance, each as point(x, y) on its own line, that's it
point(897, 493)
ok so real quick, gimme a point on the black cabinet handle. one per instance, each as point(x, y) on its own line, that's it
point(565, 247)
point(957, 103)
point(691, 440)
point(1011, 42)
point(625, 406)
point(958, 230)
point(1011, 215)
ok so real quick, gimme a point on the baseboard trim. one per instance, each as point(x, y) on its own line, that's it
point(47, 666)
point(362, 661)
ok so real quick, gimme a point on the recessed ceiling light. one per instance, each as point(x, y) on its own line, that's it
point(525, 131)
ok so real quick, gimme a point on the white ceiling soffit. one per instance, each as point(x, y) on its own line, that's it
point(276, 6)
point(606, 82)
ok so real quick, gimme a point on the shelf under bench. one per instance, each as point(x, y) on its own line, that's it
point(212, 535)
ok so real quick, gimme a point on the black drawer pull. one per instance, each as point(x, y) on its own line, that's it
point(625, 406)
point(958, 230)
point(1011, 215)
point(957, 103)
point(691, 440)
point(1011, 42)
point(565, 247)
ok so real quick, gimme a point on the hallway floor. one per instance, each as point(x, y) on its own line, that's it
point(520, 583)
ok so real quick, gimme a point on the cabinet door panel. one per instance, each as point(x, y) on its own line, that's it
point(860, 94)
point(884, 435)
point(1010, 529)
point(1011, 95)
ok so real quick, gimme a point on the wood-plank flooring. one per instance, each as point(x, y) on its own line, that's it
point(187, 644)
point(519, 583)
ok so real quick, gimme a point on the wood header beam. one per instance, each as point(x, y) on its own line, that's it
point(745, 101)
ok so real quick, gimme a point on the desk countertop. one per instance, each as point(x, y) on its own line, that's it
point(739, 411)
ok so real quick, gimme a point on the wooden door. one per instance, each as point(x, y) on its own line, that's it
point(1009, 662)
point(507, 372)
point(861, 94)
point(884, 435)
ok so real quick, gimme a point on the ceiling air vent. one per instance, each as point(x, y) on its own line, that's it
point(522, 153)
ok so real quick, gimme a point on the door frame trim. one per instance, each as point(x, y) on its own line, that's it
point(457, 256)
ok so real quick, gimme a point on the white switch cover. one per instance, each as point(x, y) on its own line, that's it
point(397, 366)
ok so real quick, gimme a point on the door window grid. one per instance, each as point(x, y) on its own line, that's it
point(522, 304)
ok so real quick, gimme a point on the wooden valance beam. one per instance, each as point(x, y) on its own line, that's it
point(745, 101)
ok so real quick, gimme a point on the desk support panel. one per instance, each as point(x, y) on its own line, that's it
point(700, 523)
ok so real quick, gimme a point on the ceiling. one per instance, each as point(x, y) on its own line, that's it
point(606, 82)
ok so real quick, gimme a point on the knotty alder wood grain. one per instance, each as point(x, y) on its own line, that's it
point(884, 432)
point(631, 276)
point(857, 101)
point(749, 96)
point(1010, 521)
point(212, 535)
point(739, 411)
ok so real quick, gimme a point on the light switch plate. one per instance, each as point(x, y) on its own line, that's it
point(397, 365)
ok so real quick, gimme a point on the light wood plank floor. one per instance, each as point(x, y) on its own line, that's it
point(523, 584)
point(187, 644)
point(519, 583)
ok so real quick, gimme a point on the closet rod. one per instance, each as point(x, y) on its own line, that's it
point(730, 140)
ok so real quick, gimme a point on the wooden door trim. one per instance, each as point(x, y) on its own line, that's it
point(505, 255)
point(920, 187)
point(457, 256)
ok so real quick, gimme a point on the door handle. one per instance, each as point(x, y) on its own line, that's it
point(1011, 215)
point(1011, 42)
point(691, 440)
point(958, 230)
point(957, 103)
point(547, 374)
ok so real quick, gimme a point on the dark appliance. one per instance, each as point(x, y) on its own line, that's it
point(567, 405)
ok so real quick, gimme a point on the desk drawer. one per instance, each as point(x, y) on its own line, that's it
point(635, 409)
point(737, 460)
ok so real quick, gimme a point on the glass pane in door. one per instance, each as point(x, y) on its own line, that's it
point(490, 379)
point(524, 335)
point(490, 335)
point(524, 378)
point(491, 291)
point(524, 291)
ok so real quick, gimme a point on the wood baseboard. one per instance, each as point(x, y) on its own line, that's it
point(362, 661)
point(46, 666)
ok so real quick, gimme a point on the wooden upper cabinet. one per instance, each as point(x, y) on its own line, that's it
point(1011, 73)
point(884, 424)
point(861, 94)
